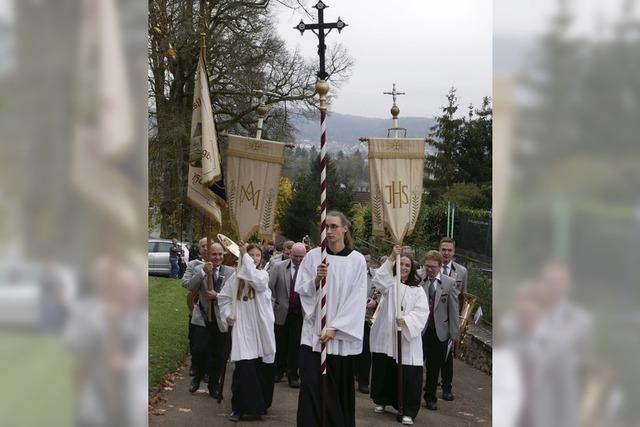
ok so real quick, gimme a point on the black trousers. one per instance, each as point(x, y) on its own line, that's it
point(384, 384)
point(434, 352)
point(252, 387)
point(341, 396)
point(362, 362)
point(190, 335)
point(288, 345)
point(447, 373)
point(208, 352)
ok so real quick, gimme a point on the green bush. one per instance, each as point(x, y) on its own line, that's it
point(480, 284)
point(468, 195)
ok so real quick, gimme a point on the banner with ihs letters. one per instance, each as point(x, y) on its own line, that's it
point(396, 168)
point(252, 176)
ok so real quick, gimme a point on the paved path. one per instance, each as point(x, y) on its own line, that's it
point(178, 407)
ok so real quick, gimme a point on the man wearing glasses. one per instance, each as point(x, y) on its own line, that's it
point(442, 324)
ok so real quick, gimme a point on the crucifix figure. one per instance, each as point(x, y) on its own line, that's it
point(394, 94)
point(321, 26)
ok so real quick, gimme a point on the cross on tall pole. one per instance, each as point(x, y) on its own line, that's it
point(262, 109)
point(320, 27)
point(322, 88)
point(395, 110)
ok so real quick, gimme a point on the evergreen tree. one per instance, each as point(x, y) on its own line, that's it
point(445, 136)
point(303, 216)
point(475, 150)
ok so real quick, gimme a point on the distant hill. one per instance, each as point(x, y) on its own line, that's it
point(343, 130)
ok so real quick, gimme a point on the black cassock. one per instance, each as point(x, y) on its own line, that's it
point(340, 390)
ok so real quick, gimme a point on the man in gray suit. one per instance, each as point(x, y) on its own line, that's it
point(208, 337)
point(442, 324)
point(458, 273)
point(288, 314)
point(283, 256)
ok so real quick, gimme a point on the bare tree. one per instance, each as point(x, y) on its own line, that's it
point(243, 54)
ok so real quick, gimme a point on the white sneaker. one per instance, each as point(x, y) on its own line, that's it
point(407, 421)
point(378, 409)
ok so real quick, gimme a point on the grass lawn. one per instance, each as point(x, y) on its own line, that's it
point(36, 378)
point(168, 327)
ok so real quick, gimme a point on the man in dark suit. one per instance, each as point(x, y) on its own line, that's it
point(442, 324)
point(362, 362)
point(458, 273)
point(209, 337)
point(288, 314)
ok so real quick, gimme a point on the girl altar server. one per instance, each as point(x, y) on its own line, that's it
point(414, 311)
point(245, 304)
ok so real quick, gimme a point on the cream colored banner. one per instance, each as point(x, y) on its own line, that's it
point(252, 176)
point(204, 142)
point(395, 182)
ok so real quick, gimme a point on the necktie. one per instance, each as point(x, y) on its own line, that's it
point(432, 288)
point(294, 298)
point(214, 277)
point(432, 292)
point(445, 270)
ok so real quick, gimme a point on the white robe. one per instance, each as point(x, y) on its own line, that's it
point(346, 301)
point(416, 312)
point(253, 332)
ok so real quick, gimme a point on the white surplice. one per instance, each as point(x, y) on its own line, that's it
point(346, 301)
point(253, 334)
point(415, 310)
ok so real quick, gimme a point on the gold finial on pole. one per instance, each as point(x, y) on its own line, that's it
point(395, 111)
point(262, 113)
point(322, 88)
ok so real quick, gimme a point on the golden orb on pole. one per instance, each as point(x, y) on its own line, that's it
point(322, 88)
point(395, 111)
point(262, 109)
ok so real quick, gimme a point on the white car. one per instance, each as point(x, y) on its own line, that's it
point(32, 295)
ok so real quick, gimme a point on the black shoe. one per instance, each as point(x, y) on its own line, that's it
point(447, 395)
point(194, 386)
point(294, 382)
point(432, 405)
point(214, 393)
point(363, 388)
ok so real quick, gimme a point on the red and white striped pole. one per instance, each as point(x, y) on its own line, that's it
point(322, 88)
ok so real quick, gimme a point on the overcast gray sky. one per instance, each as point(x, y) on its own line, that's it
point(424, 46)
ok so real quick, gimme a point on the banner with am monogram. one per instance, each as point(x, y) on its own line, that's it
point(252, 176)
point(396, 168)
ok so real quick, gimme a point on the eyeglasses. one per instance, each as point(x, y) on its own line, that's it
point(432, 267)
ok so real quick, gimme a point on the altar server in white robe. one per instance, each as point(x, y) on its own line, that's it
point(414, 309)
point(346, 275)
point(253, 342)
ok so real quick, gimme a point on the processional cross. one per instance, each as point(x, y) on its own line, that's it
point(322, 29)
